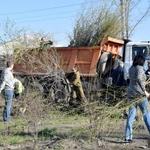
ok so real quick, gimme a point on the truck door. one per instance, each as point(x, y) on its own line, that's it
point(141, 50)
point(131, 51)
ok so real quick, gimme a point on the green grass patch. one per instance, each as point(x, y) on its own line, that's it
point(115, 115)
point(47, 133)
point(14, 139)
point(66, 120)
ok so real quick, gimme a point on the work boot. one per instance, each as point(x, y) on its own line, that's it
point(72, 102)
point(84, 101)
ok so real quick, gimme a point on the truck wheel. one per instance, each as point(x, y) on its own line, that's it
point(59, 96)
point(56, 88)
point(104, 64)
point(59, 92)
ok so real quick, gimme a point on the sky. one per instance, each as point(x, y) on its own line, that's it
point(57, 17)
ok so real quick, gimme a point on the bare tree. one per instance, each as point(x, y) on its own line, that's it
point(94, 23)
point(9, 32)
point(116, 18)
point(15, 41)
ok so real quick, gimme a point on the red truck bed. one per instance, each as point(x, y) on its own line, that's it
point(84, 58)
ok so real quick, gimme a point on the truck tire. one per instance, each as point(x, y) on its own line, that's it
point(56, 88)
point(104, 64)
point(60, 91)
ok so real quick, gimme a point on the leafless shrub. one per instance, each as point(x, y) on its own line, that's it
point(94, 23)
point(44, 68)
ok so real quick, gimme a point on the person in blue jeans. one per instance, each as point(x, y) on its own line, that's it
point(137, 95)
point(7, 87)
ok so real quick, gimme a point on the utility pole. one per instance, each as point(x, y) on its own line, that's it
point(122, 17)
point(127, 19)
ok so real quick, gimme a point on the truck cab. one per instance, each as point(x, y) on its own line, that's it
point(130, 50)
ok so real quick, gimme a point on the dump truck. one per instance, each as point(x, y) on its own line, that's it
point(46, 70)
point(88, 60)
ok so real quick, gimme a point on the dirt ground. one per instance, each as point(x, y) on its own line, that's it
point(71, 133)
point(107, 141)
point(115, 140)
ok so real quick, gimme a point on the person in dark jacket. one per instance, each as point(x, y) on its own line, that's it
point(118, 75)
point(120, 84)
point(137, 95)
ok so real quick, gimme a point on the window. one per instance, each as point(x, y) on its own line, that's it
point(140, 50)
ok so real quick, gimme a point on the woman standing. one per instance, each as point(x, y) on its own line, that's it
point(136, 91)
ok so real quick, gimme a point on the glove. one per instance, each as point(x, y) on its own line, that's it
point(50, 42)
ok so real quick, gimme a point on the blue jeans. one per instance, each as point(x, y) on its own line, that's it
point(143, 105)
point(8, 94)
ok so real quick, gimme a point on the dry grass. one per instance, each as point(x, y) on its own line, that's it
point(47, 126)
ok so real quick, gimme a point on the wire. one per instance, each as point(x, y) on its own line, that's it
point(45, 19)
point(36, 10)
point(45, 15)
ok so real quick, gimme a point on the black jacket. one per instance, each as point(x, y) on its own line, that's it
point(118, 77)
